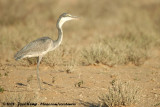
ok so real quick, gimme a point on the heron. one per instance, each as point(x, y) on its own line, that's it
point(39, 47)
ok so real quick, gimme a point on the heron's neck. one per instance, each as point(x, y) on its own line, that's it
point(60, 35)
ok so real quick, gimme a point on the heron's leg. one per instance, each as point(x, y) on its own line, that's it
point(38, 62)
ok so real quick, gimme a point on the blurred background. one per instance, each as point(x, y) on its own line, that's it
point(22, 21)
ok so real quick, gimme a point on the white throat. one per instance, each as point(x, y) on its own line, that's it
point(64, 20)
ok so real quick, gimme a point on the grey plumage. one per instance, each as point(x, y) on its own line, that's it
point(41, 46)
point(35, 48)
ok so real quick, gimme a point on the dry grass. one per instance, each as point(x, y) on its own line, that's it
point(121, 94)
point(121, 49)
point(61, 56)
point(126, 35)
point(19, 100)
point(130, 42)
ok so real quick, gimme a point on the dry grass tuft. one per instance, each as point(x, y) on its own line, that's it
point(61, 56)
point(19, 98)
point(97, 53)
point(121, 49)
point(121, 94)
point(70, 66)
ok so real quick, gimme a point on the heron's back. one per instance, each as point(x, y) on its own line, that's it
point(35, 48)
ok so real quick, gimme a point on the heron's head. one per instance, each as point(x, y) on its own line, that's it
point(64, 18)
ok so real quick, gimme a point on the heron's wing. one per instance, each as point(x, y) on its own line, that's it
point(35, 48)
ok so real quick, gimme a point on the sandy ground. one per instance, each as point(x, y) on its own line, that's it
point(62, 87)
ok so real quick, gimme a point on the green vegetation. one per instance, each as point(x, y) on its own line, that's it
point(157, 104)
point(1, 89)
point(79, 84)
point(6, 74)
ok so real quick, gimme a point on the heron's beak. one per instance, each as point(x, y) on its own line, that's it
point(75, 17)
